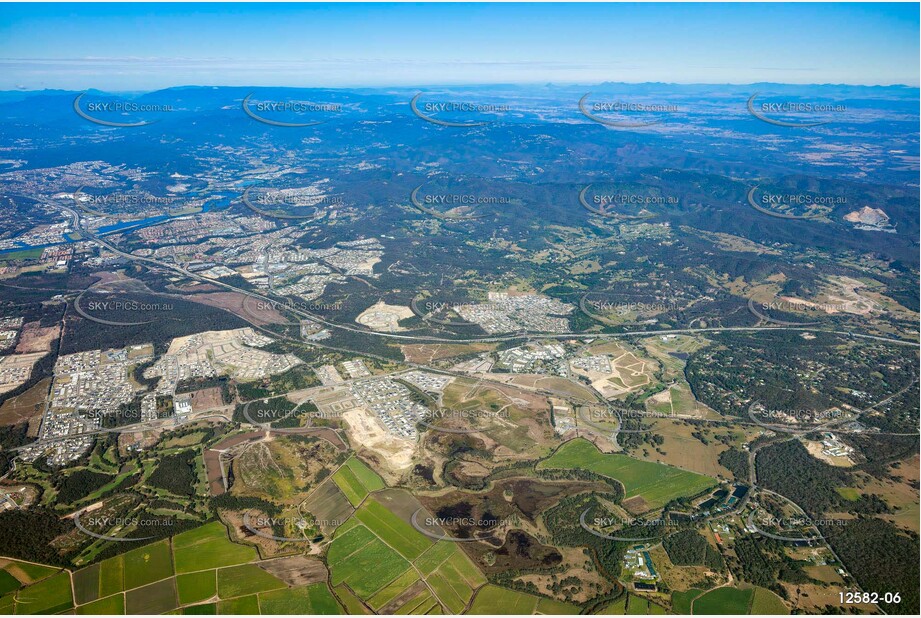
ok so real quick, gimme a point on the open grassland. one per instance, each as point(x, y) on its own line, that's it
point(208, 547)
point(681, 449)
point(495, 600)
point(725, 600)
point(766, 602)
point(681, 601)
point(657, 484)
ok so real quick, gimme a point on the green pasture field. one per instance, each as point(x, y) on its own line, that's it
point(240, 605)
point(492, 599)
point(208, 547)
point(111, 576)
point(28, 573)
point(434, 556)
point(49, 596)
point(725, 600)
point(766, 602)
point(155, 598)
point(349, 484)
point(366, 476)
point(205, 609)
point(353, 605)
point(147, 564)
point(238, 581)
point(312, 599)
point(393, 589)
point(113, 605)
point(394, 531)
point(86, 584)
point(363, 561)
point(196, 587)
point(8, 583)
point(681, 601)
point(657, 483)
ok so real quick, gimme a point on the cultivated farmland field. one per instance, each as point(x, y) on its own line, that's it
point(356, 480)
point(313, 599)
point(208, 547)
point(363, 561)
point(86, 584)
point(114, 604)
point(656, 484)
point(393, 530)
point(238, 581)
point(147, 564)
point(49, 596)
point(155, 598)
point(196, 587)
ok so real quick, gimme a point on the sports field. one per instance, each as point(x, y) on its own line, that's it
point(657, 484)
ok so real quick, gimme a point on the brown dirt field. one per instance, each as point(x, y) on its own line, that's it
point(233, 302)
point(206, 399)
point(213, 469)
point(240, 533)
point(428, 352)
point(635, 505)
point(320, 432)
point(329, 506)
point(34, 338)
point(685, 451)
point(402, 503)
point(391, 607)
point(553, 384)
point(295, 570)
point(26, 406)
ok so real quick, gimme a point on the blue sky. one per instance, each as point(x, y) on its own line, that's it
point(143, 46)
